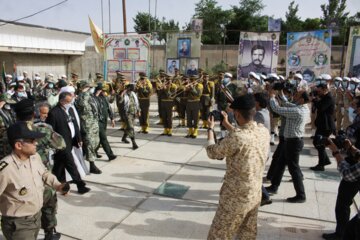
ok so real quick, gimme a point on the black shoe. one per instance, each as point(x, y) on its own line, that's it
point(163, 134)
point(318, 168)
point(146, 132)
point(271, 189)
point(135, 146)
point(188, 136)
point(265, 180)
point(272, 143)
point(192, 136)
point(98, 155)
point(83, 190)
point(94, 169)
point(52, 235)
point(112, 157)
point(169, 134)
point(296, 199)
point(332, 236)
point(265, 202)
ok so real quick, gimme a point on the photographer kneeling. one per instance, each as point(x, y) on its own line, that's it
point(246, 150)
point(349, 169)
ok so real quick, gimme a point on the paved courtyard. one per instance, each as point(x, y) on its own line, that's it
point(169, 189)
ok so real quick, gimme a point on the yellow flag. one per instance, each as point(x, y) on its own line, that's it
point(97, 37)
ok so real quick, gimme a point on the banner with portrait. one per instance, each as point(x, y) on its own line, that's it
point(181, 50)
point(352, 65)
point(128, 54)
point(258, 52)
point(309, 53)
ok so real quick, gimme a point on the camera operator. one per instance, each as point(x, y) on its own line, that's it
point(246, 150)
point(296, 116)
point(324, 122)
point(349, 169)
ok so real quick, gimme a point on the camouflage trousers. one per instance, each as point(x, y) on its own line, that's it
point(130, 122)
point(238, 222)
point(91, 139)
point(49, 209)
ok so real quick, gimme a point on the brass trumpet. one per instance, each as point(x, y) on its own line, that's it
point(185, 87)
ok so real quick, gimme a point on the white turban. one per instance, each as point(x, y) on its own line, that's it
point(69, 89)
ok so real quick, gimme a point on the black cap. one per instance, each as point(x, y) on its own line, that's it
point(244, 102)
point(25, 106)
point(22, 130)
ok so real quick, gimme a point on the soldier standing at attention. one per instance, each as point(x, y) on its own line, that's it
point(143, 89)
point(87, 108)
point(22, 177)
point(159, 82)
point(246, 149)
point(167, 103)
point(193, 91)
point(207, 99)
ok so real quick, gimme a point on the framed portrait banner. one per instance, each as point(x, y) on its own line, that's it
point(189, 66)
point(171, 64)
point(131, 52)
point(183, 45)
point(309, 53)
point(352, 64)
point(258, 52)
point(197, 25)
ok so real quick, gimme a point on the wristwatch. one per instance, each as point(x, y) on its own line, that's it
point(210, 129)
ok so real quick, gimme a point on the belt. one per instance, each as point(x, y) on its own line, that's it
point(206, 95)
point(167, 100)
point(195, 100)
point(294, 138)
point(24, 217)
point(145, 98)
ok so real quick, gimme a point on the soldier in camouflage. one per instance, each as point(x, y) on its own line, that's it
point(52, 141)
point(246, 149)
point(6, 119)
point(87, 107)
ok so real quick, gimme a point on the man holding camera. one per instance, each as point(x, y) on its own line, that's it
point(324, 122)
point(246, 150)
point(296, 116)
point(349, 169)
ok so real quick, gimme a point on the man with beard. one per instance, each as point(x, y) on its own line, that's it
point(257, 57)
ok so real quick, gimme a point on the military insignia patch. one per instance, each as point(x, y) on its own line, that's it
point(3, 165)
point(23, 191)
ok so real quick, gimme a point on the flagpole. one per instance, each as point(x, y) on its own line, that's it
point(102, 16)
point(109, 17)
point(124, 16)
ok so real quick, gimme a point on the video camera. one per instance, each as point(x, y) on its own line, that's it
point(217, 115)
point(339, 140)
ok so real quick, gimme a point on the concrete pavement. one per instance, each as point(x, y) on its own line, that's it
point(125, 202)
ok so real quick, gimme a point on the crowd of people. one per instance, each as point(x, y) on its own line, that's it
point(66, 119)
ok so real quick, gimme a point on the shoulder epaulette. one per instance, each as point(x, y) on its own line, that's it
point(3, 165)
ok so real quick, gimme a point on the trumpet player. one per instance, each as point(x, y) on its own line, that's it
point(207, 99)
point(167, 94)
point(143, 89)
point(193, 92)
point(159, 82)
point(181, 99)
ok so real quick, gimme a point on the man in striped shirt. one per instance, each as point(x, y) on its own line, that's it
point(296, 116)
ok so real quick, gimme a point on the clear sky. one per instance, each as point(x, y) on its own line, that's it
point(73, 14)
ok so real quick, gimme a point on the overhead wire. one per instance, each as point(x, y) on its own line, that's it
point(33, 14)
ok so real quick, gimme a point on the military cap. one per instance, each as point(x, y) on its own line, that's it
point(21, 130)
point(142, 74)
point(74, 75)
point(20, 78)
point(63, 76)
point(98, 75)
point(119, 73)
point(185, 77)
point(7, 98)
point(244, 102)
point(355, 80)
point(229, 75)
point(326, 77)
point(24, 106)
point(194, 77)
point(161, 71)
point(176, 69)
point(339, 79)
point(8, 76)
point(84, 84)
point(205, 74)
point(200, 69)
point(299, 76)
point(37, 78)
point(99, 86)
point(51, 75)
point(167, 77)
point(346, 79)
point(254, 75)
point(221, 72)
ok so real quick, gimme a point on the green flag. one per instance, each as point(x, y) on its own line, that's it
point(3, 72)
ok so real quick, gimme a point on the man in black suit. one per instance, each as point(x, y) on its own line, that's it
point(324, 122)
point(63, 121)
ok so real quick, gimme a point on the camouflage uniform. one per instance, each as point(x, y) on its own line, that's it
point(6, 119)
point(51, 141)
point(246, 150)
point(87, 108)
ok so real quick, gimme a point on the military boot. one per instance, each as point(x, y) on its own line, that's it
point(183, 122)
point(124, 140)
point(169, 132)
point(134, 145)
point(190, 131)
point(94, 169)
point(194, 133)
point(51, 234)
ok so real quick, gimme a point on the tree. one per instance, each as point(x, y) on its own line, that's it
point(292, 22)
point(311, 24)
point(246, 17)
point(335, 11)
point(354, 20)
point(214, 18)
point(142, 25)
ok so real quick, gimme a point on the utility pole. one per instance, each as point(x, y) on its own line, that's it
point(109, 17)
point(124, 16)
